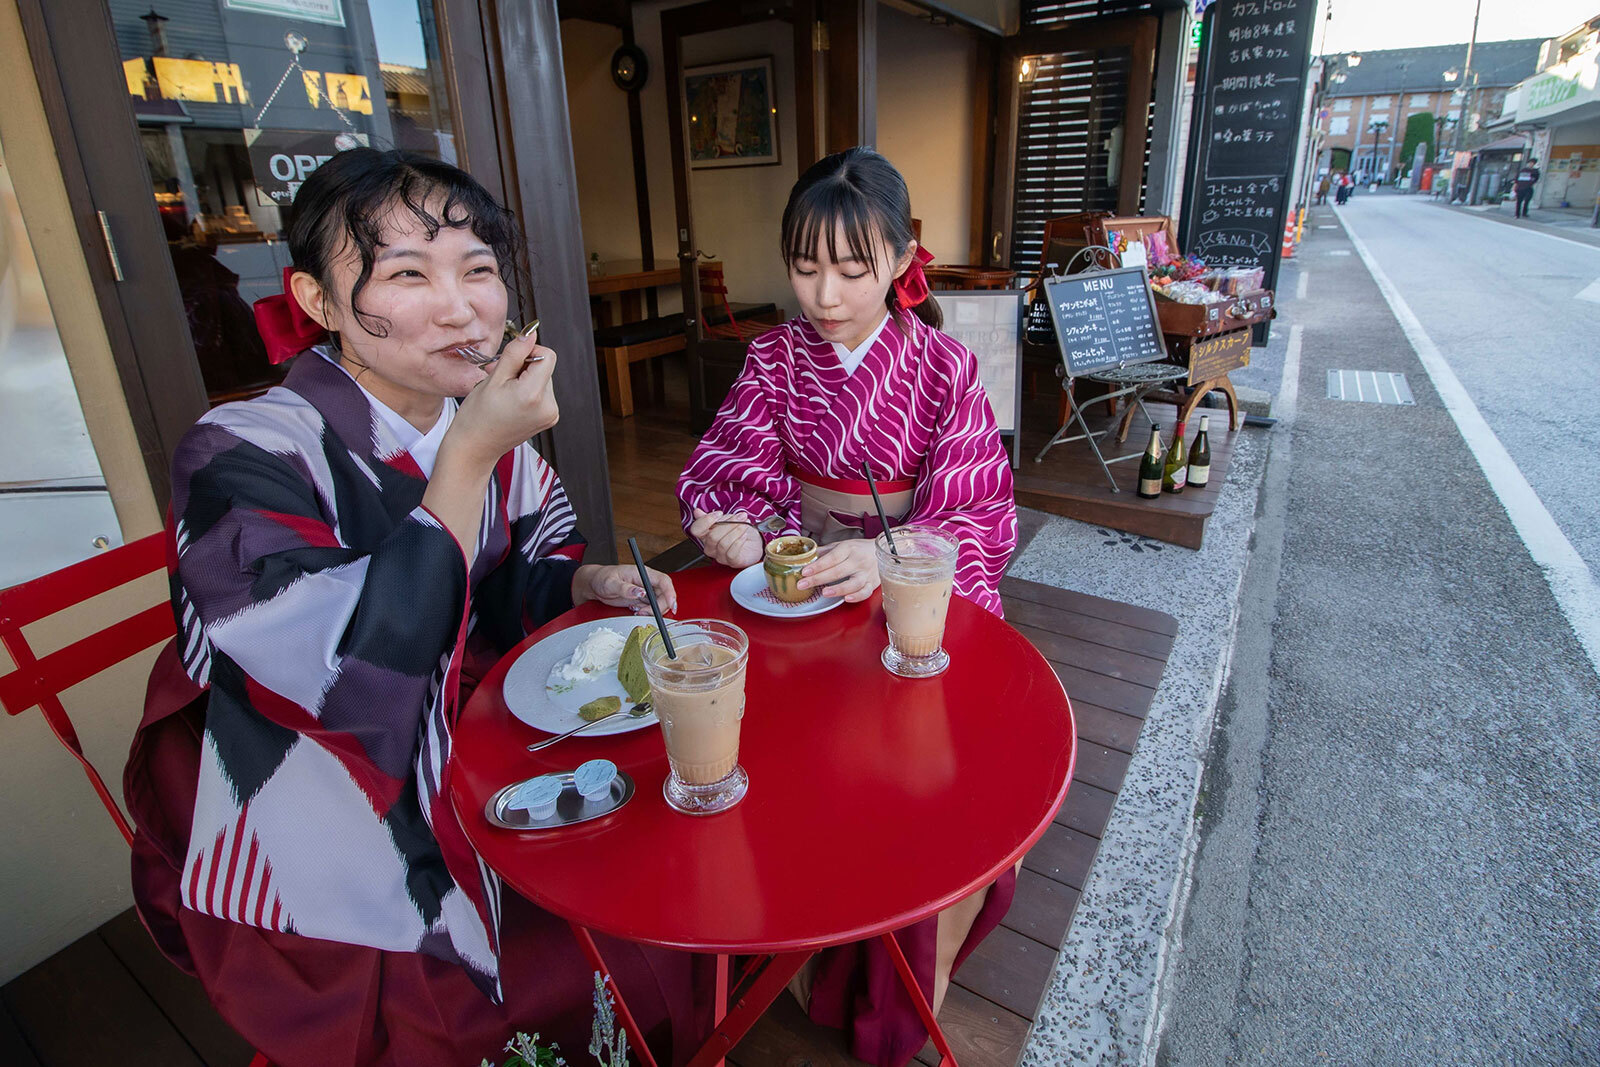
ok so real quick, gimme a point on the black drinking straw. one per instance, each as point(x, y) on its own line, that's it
point(882, 516)
point(650, 591)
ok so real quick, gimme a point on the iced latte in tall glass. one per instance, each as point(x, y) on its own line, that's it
point(699, 698)
point(917, 573)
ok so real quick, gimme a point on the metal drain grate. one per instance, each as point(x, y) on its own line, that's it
point(1371, 386)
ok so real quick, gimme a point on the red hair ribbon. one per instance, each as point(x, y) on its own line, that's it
point(911, 288)
point(284, 324)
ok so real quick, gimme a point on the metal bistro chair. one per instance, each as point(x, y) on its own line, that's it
point(39, 681)
point(718, 313)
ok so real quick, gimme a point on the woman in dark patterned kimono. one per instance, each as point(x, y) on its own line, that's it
point(347, 551)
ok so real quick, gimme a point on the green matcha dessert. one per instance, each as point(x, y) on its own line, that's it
point(630, 668)
point(599, 709)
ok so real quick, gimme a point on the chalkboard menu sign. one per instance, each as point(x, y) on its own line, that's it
point(1249, 97)
point(1104, 319)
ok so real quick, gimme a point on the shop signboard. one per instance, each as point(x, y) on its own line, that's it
point(1565, 87)
point(1249, 92)
point(1105, 319)
point(1218, 355)
point(282, 159)
point(328, 12)
point(989, 323)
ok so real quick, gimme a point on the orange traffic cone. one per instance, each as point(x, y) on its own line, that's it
point(1288, 239)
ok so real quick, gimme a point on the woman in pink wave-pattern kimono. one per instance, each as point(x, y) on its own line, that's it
point(862, 376)
point(348, 550)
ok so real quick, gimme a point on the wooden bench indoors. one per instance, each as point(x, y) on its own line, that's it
point(619, 347)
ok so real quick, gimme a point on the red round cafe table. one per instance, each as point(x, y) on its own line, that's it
point(875, 801)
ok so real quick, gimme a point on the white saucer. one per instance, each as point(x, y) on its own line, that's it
point(532, 698)
point(750, 590)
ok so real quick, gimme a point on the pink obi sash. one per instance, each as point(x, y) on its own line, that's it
point(837, 509)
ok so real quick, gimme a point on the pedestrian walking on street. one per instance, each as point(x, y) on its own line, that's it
point(1322, 189)
point(1525, 179)
point(1342, 195)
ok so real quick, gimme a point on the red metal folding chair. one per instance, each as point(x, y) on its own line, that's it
point(714, 293)
point(39, 681)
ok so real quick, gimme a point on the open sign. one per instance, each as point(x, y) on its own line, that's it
point(282, 160)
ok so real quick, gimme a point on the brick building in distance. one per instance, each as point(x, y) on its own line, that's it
point(1389, 86)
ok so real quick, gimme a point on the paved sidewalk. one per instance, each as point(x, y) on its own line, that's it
point(1571, 223)
point(1100, 1005)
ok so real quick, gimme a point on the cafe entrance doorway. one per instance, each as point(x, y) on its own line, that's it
point(185, 129)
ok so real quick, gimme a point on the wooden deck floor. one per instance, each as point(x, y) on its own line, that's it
point(112, 998)
point(1069, 482)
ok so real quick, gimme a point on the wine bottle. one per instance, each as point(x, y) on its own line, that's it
point(1150, 467)
point(1200, 455)
point(1175, 471)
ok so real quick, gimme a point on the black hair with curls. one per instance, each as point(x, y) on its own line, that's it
point(862, 193)
point(353, 195)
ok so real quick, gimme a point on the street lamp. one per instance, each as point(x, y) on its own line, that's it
point(1377, 127)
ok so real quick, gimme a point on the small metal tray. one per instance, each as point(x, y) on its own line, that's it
point(571, 808)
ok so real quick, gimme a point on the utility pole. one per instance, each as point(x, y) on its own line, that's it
point(1467, 83)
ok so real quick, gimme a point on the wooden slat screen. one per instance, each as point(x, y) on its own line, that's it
point(1041, 13)
point(1064, 118)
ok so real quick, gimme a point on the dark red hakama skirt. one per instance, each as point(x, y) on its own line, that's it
point(305, 1001)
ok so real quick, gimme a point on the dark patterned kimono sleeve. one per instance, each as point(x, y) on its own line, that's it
point(335, 642)
point(533, 583)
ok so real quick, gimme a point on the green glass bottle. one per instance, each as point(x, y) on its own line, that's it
point(1200, 455)
point(1150, 467)
point(1175, 471)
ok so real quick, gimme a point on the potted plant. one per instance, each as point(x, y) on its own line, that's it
point(608, 1043)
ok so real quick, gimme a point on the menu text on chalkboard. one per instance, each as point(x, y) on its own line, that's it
point(1104, 319)
point(1249, 96)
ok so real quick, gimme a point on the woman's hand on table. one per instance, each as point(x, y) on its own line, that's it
point(513, 403)
point(618, 586)
point(849, 569)
point(736, 544)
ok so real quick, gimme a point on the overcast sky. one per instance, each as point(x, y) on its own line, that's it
point(1376, 24)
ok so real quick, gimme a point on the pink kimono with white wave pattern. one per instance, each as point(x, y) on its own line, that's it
point(914, 409)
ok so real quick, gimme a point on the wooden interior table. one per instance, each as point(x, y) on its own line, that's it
point(627, 279)
point(875, 801)
point(963, 276)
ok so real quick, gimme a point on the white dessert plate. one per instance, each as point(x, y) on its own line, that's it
point(750, 591)
point(549, 704)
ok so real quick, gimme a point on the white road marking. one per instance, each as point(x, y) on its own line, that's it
point(1592, 292)
point(1304, 283)
point(1567, 574)
point(1338, 252)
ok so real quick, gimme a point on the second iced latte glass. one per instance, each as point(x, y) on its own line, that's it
point(917, 575)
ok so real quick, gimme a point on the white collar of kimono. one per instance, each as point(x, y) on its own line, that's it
point(424, 447)
point(852, 357)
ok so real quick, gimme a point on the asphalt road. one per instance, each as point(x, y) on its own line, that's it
point(1399, 860)
point(1503, 305)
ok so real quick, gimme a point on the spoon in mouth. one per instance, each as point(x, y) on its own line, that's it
point(477, 358)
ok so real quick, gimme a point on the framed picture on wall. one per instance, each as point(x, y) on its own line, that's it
point(731, 114)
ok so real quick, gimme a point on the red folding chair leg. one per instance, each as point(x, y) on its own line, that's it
point(56, 716)
point(924, 1009)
